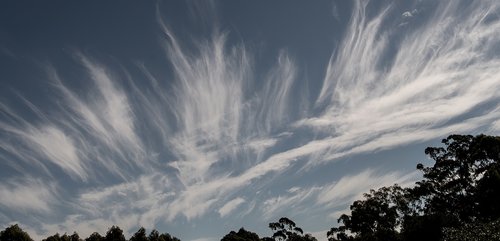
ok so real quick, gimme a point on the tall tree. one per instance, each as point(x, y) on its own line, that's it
point(462, 188)
point(114, 234)
point(377, 217)
point(286, 230)
point(65, 237)
point(154, 235)
point(450, 186)
point(140, 235)
point(14, 233)
point(95, 236)
point(167, 237)
point(75, 237)
point(54, 237)
point(241, 235)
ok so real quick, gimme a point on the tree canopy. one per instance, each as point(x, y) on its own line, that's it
point(14, 233)
point(94, 237)
point(241, 235)
point(286, 230)
point(461, 189)
point(64, 237)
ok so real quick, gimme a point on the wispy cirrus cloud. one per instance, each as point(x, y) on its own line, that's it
point(440, 72)
point(38, 143)
point(351, 187)
point(333, 197)
point(292, 200)
point(231, 206)
point(28, 195)
point(69, 134)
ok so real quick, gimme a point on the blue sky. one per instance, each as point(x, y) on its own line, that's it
point(200, 117)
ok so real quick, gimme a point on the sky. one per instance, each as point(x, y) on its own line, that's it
point(200, 117)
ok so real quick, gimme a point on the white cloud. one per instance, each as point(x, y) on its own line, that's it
point(293, 189)
point(139, 202)
point(58, 148)
point(262, 144)
point(320, 235)
point(79, 133)
point(113, 104)
point(249, 209)
point(206, 239)
point(30, 195)
point(351, 187)
point(407, 14)
point(332, 196)
point(440, 72)
point(288, 202)
point(230, 206)
point(84, 226)
point(276, 93)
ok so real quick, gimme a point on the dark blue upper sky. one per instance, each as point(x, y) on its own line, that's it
point(200, 117)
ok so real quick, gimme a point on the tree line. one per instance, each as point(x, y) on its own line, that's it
point(15, 233)
point(458, 199)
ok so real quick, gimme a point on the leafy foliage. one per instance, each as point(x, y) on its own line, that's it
point(114, 234)
point(461, 189)
point(241, 235)
point(473, 232)
point(156, 236)
point(140, 235)
point(64, 237)
point(95, 237)
point(286, 230)
point(14, 233)
point(450, 186)
point(375, 218)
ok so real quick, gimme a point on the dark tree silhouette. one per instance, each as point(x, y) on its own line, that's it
point(14, 233)
point(488, 194)
point(57, 237)
point(377, 217)
point(75, 237)
point(64, 237)
point(168, 237)
point(140, 235)
point(95, 236)
point(286, 230)
point(156, 236)
point(449, 186)
point(461, 189)
point(241, 235)
point(54, 237)
point(114, 234)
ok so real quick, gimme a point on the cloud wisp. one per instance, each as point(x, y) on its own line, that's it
point(230, 206)
point(30, 195)
point(374, 97)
